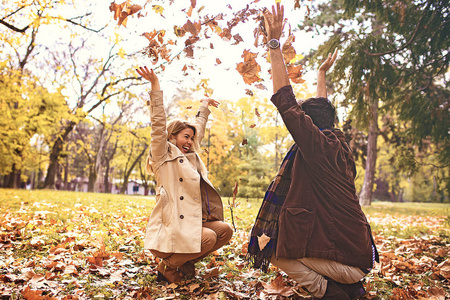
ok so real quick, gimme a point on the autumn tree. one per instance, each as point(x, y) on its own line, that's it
point(393, 55)
point(29, 114)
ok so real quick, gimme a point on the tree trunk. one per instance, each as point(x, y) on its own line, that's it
point(366, 195)
point(107, 188)
point(128, 173)
point(50, 178)
point(52, 170)
point(92, 179)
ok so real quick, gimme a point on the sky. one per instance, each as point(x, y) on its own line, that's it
point(224, 79)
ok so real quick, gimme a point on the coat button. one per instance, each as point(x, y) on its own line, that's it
point(181, 217)
point(181, 198)
point(181, 160)
point(181, 179)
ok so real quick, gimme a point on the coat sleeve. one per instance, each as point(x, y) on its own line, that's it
point(158, 145)
point(313, 144)
point(200, 122)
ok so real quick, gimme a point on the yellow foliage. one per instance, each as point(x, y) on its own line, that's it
point(158, 9)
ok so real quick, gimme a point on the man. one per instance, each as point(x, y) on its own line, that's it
point(310, 224)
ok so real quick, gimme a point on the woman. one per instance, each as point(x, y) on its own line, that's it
point(187, 221)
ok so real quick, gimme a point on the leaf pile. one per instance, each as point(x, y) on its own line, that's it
point(51, 252)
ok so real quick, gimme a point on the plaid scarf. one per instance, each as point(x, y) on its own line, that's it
point(266, 224)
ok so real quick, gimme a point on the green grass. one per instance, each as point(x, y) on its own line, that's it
point(62, 202)
point(37, 221)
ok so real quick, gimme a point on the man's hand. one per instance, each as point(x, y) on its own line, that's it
point(274, 22)
point(326, 65)
point(150, 76)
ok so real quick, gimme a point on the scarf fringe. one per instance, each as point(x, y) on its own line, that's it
point(260, 259)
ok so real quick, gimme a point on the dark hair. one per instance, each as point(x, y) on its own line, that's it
point(320, 110)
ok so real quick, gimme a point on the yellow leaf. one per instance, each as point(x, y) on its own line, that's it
point(121, 53)
point(296, 58)
point(158, 9)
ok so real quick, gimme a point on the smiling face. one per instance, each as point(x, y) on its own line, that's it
point(184, 139)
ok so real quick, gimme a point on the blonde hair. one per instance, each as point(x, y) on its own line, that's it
point(175, 126)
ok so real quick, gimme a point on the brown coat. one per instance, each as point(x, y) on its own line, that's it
point(175, 224)
point(321, 216)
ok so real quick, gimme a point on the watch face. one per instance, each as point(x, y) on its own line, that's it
point(274, 44)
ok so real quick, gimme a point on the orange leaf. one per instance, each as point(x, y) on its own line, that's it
point(179, 32)
point(133, 8)
point(193, 28)
point(249, 69)
point(253, 126)
point(189, 13)
point(218, 61)
point(295, 73)
point(289, 51)
point(235, 189)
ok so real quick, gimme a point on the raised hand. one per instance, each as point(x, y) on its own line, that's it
point(274, 22)
point(150, 76)
point(210, 102)
point(326, 65)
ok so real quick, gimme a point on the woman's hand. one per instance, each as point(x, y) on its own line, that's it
point(210, 102)
point(326, 65)
point(150, 76)
point(274, 22)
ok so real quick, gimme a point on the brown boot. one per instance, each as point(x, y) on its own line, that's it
point(334, 292)
point(188, 269)
point(168, 273)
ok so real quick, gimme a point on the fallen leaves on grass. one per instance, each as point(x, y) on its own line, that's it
point(96, 255)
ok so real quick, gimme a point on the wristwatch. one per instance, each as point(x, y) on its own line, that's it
point(273, 44)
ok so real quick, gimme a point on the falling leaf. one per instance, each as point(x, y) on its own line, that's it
point(244, 142)
point(189, 50)
point(218, 61)
point(189, 13)
point(297, 58)
point(260, 86)
point(193, 28)
point(253, 126)
point(179, 31)
point(295, 73)
point(237, 39)
point(188, 107)
point(158, 9)
point(249, 69)
point(235, 190)
point(263, 240)
point(288, 50)
point(257, 112)
point(248, 92)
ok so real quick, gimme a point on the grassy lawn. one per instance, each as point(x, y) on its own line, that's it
point(70, 245)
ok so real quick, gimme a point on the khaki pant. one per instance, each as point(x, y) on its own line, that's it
point(215, 234)
point(310, 272)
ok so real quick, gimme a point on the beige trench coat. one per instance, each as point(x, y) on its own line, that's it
point(175, 224)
